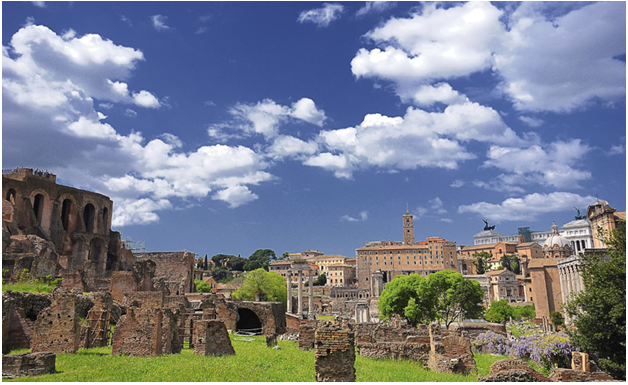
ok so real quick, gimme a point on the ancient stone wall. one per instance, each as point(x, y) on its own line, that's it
point(570, 375)
point(293, 324)
point(175, 268)
point(307, 333)
point(512, 370)
point(144, 299)
point(450, 352)
point(474, 329)
point(31, 364)
point(57, 327)
point(334, 353)
point(17, 330)
point(138, 333)
point(212, 339)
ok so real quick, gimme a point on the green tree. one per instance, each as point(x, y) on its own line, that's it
point(218, 258)
point(237, 263)
point(526, 311)
point(557, 318)
point(321, 280)
point(202, 286)
point(410, 297)
point(284, 256)
point(481, 261)
point(220, 273)
point(456, 297)
point(599, 311)
point(499, 311)
point(261, 285)
point(261, 258)
point(510, 262)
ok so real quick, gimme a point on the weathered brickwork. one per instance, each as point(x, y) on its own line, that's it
point(31, 364)
point(17, 330)
point(212, 339)
point(307, 333)
point(176, 269)
point(570, 375)
point(144, 299)
point(450, 352)
point(138, 333)
point(398, 341)
point(57, 327)
point(510, 370)
point(334, 353)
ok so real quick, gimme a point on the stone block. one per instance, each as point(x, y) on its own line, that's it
point(31, 364)
point(334, 353)
point(138, 333)
point(57, 327)
point(212, 339)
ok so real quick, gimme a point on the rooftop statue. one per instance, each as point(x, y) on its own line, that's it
point(486, 226)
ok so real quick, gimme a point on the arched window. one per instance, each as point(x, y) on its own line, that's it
point(11, 195)
point(66, 209)
point(88, 217)
point(38, 207)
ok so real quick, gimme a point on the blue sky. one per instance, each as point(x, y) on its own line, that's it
point(229, 127)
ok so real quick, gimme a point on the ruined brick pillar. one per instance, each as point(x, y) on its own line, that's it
point(57, 328)
point(334, 353)
point(212, 339)
point(271, 340)
point(580, 362)
point(138, 333)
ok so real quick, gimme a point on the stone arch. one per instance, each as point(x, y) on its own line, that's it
point(248, 321)
point(42, 207)
point(89, 217)
point(11, 194)
point(68, 213)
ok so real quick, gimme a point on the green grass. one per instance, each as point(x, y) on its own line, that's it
point(28, 287)
point(253, 362)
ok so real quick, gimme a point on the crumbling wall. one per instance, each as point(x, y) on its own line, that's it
point(138, 333)
point(570, 375)
point(271, 314)
point(212, 339)
point(17, 330)
point(450, 351)
point(307, 331)
point(28, 364)
point(513, 370)
point(57, 327)
point(334, 352)
point(396, 341)
point(175, 268)
point(144, 299)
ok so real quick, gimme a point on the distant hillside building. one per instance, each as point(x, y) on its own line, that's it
point(407, 257)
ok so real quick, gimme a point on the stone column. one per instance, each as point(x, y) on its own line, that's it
point(289, 286)
point(300, 294)
point(563, 289)
point(310, 301)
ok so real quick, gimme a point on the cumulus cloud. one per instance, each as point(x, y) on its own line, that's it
point(266, 116)
point(546, 62)
point(560, 64)
point(434, 207)
point(375, 7)
point(554, 165)
point(527, 208)
point(418, 139)
point(285, 146)
point(322, 16)
point(532, 122)
point(51, 86)
point(427, 95)
point(159, 22)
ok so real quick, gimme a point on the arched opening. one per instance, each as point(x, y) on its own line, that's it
point(11, 195)
point(38, 207)
point(66, 209)
point(248, 321)
point(88, 217)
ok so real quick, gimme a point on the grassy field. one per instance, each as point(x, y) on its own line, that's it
point(253, 362)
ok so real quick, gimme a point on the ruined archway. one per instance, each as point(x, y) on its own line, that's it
point(248, 321)
point(38, 207)
point(89, 214)
point(66, 210)
point(11, 195)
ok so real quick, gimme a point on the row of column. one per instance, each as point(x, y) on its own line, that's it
point(570, 282)
point(310, 308)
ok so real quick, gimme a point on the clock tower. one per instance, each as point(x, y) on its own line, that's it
point(408, 228)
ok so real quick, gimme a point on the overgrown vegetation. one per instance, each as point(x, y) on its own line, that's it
point(599, 312)
point(261, 285)
point(26, 284)
point(253, 362)
point(501, 310)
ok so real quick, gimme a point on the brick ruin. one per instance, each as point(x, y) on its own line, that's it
point(450, 351)
point(334, 352)
point(582, 370)
point(212, 339)
point(57, 328)
point(513, 370)
point(28, 364)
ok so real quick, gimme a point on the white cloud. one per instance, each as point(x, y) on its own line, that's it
point(527, 208)
point(561, 64)
point(375, 7)
point(364, 215)
point(551, 166)
point(266, 116)
point(288, 146)
point(159, 22)
point(434, 44)
point(427, 95)
point(618, 149)
point(49, 85)
point(40, 4)
point(434, 208)
point(322, 16)
point(546, 63)
point(532, 122)
point(419, 139)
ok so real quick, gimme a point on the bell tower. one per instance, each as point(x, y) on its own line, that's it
point(408, 228)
